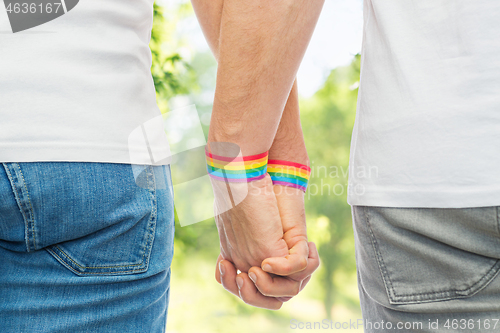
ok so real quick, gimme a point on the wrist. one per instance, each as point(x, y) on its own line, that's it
point(289, 146)
point(234, 135)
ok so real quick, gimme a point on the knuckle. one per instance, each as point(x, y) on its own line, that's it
point(286, 269)
point(224, 284)
point(246, 299)
point(265, 290)
point(303, 262)
point(316, 265)
point(240, 264)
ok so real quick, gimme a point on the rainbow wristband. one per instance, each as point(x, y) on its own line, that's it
point(239, 169)
point(289, 174)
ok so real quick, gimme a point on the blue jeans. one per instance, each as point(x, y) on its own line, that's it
point(84, 248)
point(428, 269)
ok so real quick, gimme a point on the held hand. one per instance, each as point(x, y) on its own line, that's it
point(278, 278)
point(272, 289)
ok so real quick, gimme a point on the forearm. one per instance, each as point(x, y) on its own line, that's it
point(209, 15)
point(254, 135)
point(260, 47)
point(289, 143)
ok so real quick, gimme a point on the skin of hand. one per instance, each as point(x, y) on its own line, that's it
point(248, 244)
point(280, 278)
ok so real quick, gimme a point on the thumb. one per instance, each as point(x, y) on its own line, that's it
point(294, 262)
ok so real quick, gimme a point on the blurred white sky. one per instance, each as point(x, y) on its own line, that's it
point(336, 40)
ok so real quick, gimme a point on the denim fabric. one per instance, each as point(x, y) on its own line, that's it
point(429, 265)
point(84, 247)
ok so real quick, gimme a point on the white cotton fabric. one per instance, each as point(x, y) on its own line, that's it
point(427, 129)
point(78, 88)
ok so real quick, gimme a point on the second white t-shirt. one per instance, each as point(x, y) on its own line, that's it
point(427, 129)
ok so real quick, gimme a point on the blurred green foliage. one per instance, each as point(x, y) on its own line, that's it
point(171, 74)
point(327, 121)
point(197, 303)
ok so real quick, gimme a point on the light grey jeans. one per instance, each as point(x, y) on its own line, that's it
point(428, 269)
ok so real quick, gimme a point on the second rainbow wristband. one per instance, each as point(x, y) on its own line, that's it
point(288, 173)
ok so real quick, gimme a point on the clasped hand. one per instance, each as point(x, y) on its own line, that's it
point(264, 237)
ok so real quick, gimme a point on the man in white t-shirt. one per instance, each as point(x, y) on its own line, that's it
point(426, 222)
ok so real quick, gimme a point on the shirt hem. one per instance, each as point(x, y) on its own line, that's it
point(459, 198)
point(78, 154)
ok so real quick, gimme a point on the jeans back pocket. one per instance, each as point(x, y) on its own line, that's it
point(429, 254)
point(91, 217)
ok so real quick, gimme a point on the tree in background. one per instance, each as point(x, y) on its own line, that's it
point(327, 121)
point(171, 74)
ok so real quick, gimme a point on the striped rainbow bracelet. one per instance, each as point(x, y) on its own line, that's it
point(239, 169)
point(289, 174)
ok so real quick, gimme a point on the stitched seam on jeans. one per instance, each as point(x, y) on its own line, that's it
point(92, 267)
point(77, 272)
point(153, 216)
point(380, 261)
point(19, 204)
point(491, 271)
point(31, 208)
point(498, 221)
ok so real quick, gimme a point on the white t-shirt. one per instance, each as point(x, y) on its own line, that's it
point(78, 86)
point(427, 129)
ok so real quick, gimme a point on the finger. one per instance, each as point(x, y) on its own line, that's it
point(283, 288)
point(313, 261)
point(217, 269)
point(273, 285)
point(277, 286)
point(228, 277)
point(304, 282)
point(295, 262)
point(251, 295)
point(312, 264)
point(284, 299)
